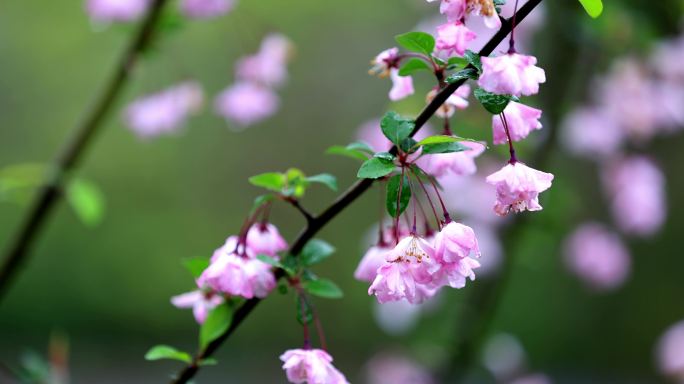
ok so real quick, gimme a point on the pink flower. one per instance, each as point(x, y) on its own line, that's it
point(668, 57)
point(458, 163)
point(670, 352)
point(453, 246)
point(371, 261)
point(402, 86)
point(391, 369)
point(518, 187)
point(164, 112)
point(521, 121)
point(265, 239)
point(200, 302)
point(246, 103)
point(105, 11)
point(454, 10)
point(536, 378)
point(384, 61)
point(204, 9)
point(311, 366)
point(597, 256)
point(457, 100)
point(591, 132)
point(511, 74)
point(268, 66)
point(453, 38)
point(524, 32)
point(636, 188)
point(406, 266)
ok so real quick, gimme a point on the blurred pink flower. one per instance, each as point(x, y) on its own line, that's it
point(636, 188)
point(453, 39)
point(535, 378)
point(469, 196)
point(384, 62)
point(200, 302)
point(458, 163)
point(164, 112)
point(373, 259)
point(246, 103)
point(457, 100)
point(670, 352)
point(504, 356)
point(265, 239)
point(268, 66)
point(518, 187)
point(597, 256)
point(591, 132)
point(204, 9)
point(106, 11)
point(311, 366)
point(521, 121)
point(402, 86)
point(668, 57)
point(512, 74)
point(394, 369)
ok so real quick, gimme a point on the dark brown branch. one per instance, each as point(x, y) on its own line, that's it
point(49, 193)
point(346, 199)
point(298, 206)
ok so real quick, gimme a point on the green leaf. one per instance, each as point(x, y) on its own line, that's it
point(196, 265)
point(593, 7)
point(269, 260)
point(395, 127)
point(159, 352)
point(384, 156)
point(304, 311)
point(324, 178)
point(207, 361)
point(290, 264)
point(464, 74)
point(408, 145)
point(361, 146)
point(492, 102)
point(295, 183)
point(345, 151)
point(375, 168)
point(323, 288)
point(444, 148)
point(315, 251)
point(273, 181)
point(412, 66)
point(417, 42)
point(473, 59)
point(438, 139)
point(87, 201)
point(215, 325)
point(393, 193)
point(457, 61)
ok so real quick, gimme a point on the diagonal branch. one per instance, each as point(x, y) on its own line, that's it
point(344, 200)
point(19, 246)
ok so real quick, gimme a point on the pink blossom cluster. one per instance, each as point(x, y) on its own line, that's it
point(164, 112)
point(118, 11)
point(311, 366)
point(252, 98)
point(235, 270)
point(670, 352)
point(505, 357)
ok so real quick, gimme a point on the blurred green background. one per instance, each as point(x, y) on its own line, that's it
point(108, 287)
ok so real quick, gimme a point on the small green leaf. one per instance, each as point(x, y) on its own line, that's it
point(361, 146)
point(324, 178)
point(375, 168)
point(304, 311)
point(438, 139)
point(492, 102)
point(395, 127)
point(473, 59)
point(87, 201)
point(593, 7)
point(196, 265)
point(295, 183)
point(159, 352)
point(315, 251)
point(345, 151)
point(384, 155)
point(216, 323)
point(417, 42)
point(464, 74)
point(412, 66)
point(457, 61)
point(290, 264)
point(323, 288)
point(393, 193)
point(269, 260)
point(444, 148)
point(408, 145)
point(207, 361)
point(273, 181)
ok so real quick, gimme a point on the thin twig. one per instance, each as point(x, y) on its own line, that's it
point(49, 193)
point(345, 200)
point(295, 203)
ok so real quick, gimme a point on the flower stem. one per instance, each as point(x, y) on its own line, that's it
point(511, 150)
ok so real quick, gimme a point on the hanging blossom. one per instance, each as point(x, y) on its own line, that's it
point(456, 163)
point(452, 39)
point(204, 9)
point(518, 187)
point(201, 302)
point(511, 74)
point(164, 112)
point(252, 98)
point(457, 100)
point(457, 10)
point(108, 11)
point(265, 239)
point(453, 246)
point(636, 187)
point(670, 352)
point(597, 256)
point(521, 121)
point(386, 63)
point(311, 366)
